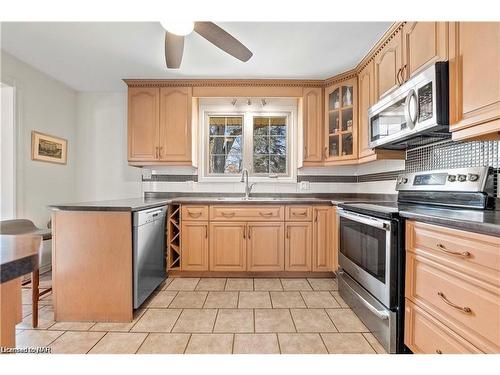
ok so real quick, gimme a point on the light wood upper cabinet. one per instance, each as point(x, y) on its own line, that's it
point(143, 123)
point(265, 247)
point(341, 127)
point(194, 242)
point(312, 102)
point(298, 246)
point(475, 80)
point(366, 98)
point(175, 124)
point(323, 239)
point(424, 43)
point(228, 246)
point(388, 63)
point(159, 125)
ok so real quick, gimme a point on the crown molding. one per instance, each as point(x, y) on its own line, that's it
point(224, 82)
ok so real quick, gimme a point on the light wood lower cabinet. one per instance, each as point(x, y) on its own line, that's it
point(453, 276)
point(298, 246)
point(265, 247)
point(323, 239)
point(228, 246)
point(194, 242)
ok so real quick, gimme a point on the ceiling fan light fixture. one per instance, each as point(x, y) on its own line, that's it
point(181, 28)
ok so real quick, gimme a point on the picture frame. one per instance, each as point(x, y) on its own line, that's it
point(48, 148)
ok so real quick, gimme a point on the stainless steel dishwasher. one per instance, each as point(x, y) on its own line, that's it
point(149, 252)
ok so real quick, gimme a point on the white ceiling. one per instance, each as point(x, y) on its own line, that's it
point(91, 56)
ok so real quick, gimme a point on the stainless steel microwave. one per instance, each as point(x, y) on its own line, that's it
point(416, 113)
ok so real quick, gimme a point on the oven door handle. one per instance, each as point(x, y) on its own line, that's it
point(366, 220)
point(379, 314)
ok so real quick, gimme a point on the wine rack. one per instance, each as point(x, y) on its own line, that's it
point(174, 238)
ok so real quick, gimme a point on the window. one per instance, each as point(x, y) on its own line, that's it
point(258, 142)
point(269, 145)
point(225, 144)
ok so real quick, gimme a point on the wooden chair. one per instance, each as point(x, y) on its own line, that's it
point(20, 227)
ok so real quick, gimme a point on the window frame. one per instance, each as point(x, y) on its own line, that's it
point(288, 111)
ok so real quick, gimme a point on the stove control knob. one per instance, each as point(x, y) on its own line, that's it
point(473, 177)
point(452, 178)
point(462, 177)
point(404, 180)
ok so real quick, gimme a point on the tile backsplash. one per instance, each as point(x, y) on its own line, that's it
point(449, 154)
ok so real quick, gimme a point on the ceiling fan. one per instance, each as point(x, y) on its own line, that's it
point(176, 31)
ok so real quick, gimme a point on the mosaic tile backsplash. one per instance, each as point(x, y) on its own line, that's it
point(449, 154)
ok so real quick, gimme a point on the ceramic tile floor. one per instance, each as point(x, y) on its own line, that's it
point(218, 316)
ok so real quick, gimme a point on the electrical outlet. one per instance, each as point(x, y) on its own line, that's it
point(305, 185)
point(146, 174)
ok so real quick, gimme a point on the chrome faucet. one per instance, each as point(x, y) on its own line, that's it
point(248, 187)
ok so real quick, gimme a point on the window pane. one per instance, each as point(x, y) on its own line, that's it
point(226, 164)
point(217, 125)
point(234, 126)
point(261, 145)
point(233, 145)
point(277, 164)
point(261, 164)
point(278, 125)
point(216, 145)
point(277, 145)
point(261, 125)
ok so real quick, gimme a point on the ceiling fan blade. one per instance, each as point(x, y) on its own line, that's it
point(222, 39)
point(174, 48)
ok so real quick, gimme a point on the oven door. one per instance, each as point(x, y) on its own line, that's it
point(365, 252)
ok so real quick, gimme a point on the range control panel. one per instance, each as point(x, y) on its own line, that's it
point(474, 179)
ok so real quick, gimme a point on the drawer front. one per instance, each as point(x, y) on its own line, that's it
point(424, 334)
point(298, 213)
point(194, 212)
point(467, 306)
point(246, 213)
point(472, 252)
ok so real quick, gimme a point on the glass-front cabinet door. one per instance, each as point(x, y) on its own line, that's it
point(341, 121)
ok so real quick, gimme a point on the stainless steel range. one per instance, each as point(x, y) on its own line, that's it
point(371, 253)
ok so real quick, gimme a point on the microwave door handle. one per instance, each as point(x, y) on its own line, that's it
point(366, 220)
point(411, 111)
point(379, 314)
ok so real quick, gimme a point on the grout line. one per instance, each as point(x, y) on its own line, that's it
point(176, 320)
point(369, 343)
point(323, 341)
point(232, 346)
point(293, 320)
point(98, 341)
point(187, 343)
point(142, 343)
point(215, 320)
point(332, 321)
point(278, 340)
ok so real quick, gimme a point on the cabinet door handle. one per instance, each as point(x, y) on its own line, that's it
point(266, 214)
point(438, 351)
point(206, 231)
point(326, 152)
point(316, 218)
point(159, 151)
point(465, 309)
point(398, 79)
point(299, 213)
point(305, 152)
point(464, 254)
point(403, 71)
point(249, 232)
point(156, 152)
point(288, 232)
point(194, 214)
point(227, 214)
point(244, 232)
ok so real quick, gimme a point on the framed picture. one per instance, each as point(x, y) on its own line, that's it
point(48, 148)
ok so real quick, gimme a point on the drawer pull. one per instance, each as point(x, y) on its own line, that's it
point(445, 300)
point(194, 214)
point(227, 214)
point(457, 253)
point(438, 351)
point(299, 213)
point(267, 214)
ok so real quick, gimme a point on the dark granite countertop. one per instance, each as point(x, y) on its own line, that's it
point(19, 255)
point(478, 221)
point(159, 199)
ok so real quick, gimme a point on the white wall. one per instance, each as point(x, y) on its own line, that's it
point(102, 169)
point(48, 106)
point(7, 153)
